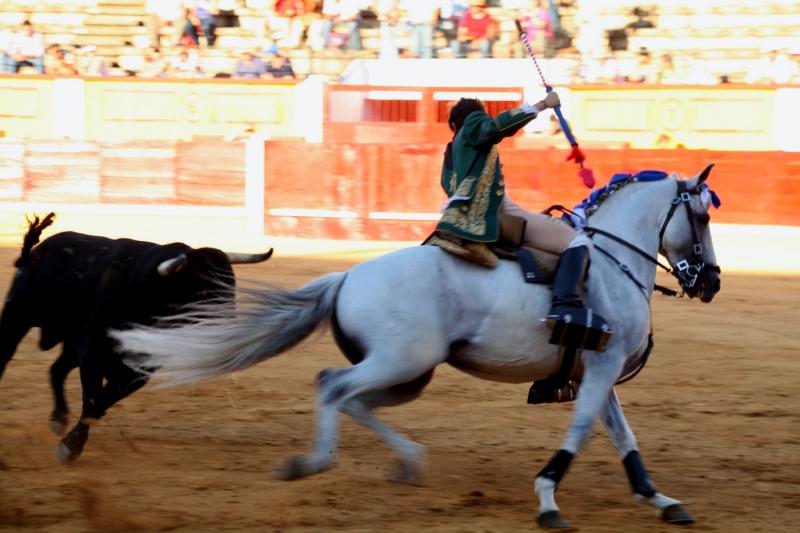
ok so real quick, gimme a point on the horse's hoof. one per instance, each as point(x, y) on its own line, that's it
point(553, 520)
point(297, 467)
point(65, 455)
point(677, 514)
point(407, 472)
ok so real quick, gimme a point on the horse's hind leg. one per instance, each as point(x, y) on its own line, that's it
point(410, 454)
point(58, 374)
point(378, 371)
point(671, 510)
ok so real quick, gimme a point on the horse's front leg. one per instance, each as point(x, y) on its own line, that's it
point(601, 372)
point(670, 510)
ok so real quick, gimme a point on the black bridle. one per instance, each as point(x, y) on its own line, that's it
point(686, 270)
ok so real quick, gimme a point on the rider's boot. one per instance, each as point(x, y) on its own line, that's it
point(573, 324)
point(568, 283)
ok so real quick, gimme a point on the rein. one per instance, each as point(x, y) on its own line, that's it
point(685, 272)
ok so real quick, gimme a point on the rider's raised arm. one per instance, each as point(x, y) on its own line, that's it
point(480, 128)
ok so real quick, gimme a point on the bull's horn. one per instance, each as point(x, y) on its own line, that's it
point(248, 258)
point(171, 266)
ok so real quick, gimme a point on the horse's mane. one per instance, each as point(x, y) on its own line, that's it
point(590, 205)
point(617, 182)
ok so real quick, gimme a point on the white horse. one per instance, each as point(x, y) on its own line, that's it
point(400, 315)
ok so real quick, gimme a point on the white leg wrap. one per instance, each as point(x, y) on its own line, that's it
point(545, 489)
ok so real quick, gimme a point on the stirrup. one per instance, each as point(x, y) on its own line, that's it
point(548, 391)
point(579, 328)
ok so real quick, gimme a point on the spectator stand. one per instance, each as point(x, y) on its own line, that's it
point(709, 42)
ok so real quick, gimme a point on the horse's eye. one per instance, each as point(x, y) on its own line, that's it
point(704, 218)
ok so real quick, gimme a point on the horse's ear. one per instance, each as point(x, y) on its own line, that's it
point(703, 176)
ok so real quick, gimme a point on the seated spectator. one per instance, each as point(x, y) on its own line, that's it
point(226, 16)
point(477, 31)
point(421, 16)
point(555, 126)
point(26, 49)
point(200, 17)
point(268, 46)
point(536, 22)
point(697, 72)
point(249, 66)
point(279, 67)
point(161, 14)
point(777, 67)
point(154, 66)
point(667, 73)
point(645, 70)
point(289, 21)
point(388, 17)
point(91, 64)
point(56, 62)
point(330, 10)
point(450, 13)
point(186, 65)
point(345, 30)
point(5, 51)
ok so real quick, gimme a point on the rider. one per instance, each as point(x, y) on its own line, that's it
point(472, 177)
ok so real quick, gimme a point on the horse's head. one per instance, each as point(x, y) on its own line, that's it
point(686, 239)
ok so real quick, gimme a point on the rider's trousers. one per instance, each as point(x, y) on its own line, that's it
point(543, 231)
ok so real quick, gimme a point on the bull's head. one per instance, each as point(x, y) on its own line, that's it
point(176, 264)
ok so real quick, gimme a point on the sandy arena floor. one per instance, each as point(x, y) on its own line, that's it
point(716, 413)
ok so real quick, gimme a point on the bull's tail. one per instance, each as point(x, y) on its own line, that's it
point(35, 229)
point(213, 339)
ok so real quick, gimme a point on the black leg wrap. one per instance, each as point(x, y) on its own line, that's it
point(557, 466)
point(637, 475)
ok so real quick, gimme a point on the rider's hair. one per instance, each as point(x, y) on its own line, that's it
point(460, 112)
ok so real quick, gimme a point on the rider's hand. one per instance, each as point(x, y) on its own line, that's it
point(551, 100)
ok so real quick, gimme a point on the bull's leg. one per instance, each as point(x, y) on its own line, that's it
point(410, 455)
point(671, 510)
point(58, 374)
point(91, 348)
point(122, 381)
point(601, 371)
point(13, 327)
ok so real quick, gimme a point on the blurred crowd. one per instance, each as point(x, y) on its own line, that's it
point(180, 32)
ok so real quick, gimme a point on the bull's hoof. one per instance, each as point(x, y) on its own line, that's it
point(72, 445)
point(300, 466)
point(553, 520)
point(677, 514)
point(407, 472)
point(65, 455)
point(58, 422)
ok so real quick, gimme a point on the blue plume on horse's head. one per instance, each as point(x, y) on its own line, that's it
point(707, 195)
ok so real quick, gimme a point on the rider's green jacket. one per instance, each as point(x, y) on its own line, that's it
point(472, 175)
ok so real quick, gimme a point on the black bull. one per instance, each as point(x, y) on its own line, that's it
point(74, 287)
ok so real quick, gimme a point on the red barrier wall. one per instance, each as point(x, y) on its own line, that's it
point(355, 190)
point(132, 172)
point(362, 190)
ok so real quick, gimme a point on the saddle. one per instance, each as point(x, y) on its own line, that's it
point(538, 266)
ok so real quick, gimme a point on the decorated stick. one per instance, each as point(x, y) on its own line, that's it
point(575, 153)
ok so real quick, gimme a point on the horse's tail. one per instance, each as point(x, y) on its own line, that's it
point(35, 229)
point(211, 339)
